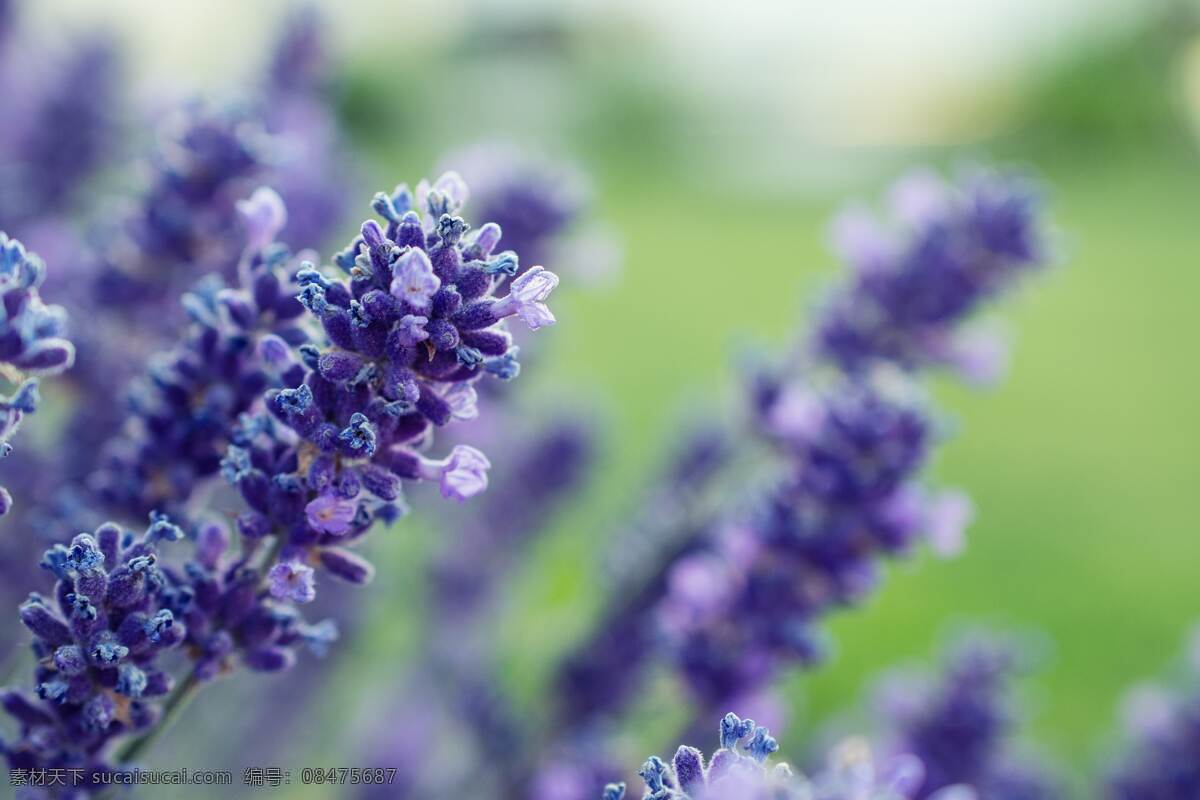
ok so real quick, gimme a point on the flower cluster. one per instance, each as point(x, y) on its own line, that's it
point(739, 771)
point(960, 724)
point(852, 437)
point(32, 340)
point(947, 250)
point(316, 464)
point(408, 334)
point(1158, 759)
point(185, 223)
point(97, 641)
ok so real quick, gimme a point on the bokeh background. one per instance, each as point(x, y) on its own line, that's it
point(718, 139)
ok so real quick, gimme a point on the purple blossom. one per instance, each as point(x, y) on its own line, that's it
point(291, 580)
point(461, 475)
point(415, 283)
point(331, 514)
point(527, 297)
point(951, 249)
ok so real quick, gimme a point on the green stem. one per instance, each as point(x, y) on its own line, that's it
point(176, 702)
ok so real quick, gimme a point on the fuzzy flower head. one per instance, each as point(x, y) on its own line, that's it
point(419, 319)
point(97, 642)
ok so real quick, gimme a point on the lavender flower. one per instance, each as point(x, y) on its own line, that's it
point(741, 595)
point(949, 249)
point(375, 391)
point(185, 223)
point(735, 613)
point(293, 581)
point(31, 341)
point(61, 138)
point(960, 725)
point(97, 642)
point(853, 447)
point(1157, 759)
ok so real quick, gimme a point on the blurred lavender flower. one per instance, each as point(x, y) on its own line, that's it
point(1159, 758)
point(185, 223)
point(947, 250)
point(853, 445)
point(739, 771)
point(961, 723)
point(735, 613)
point(61, 135)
